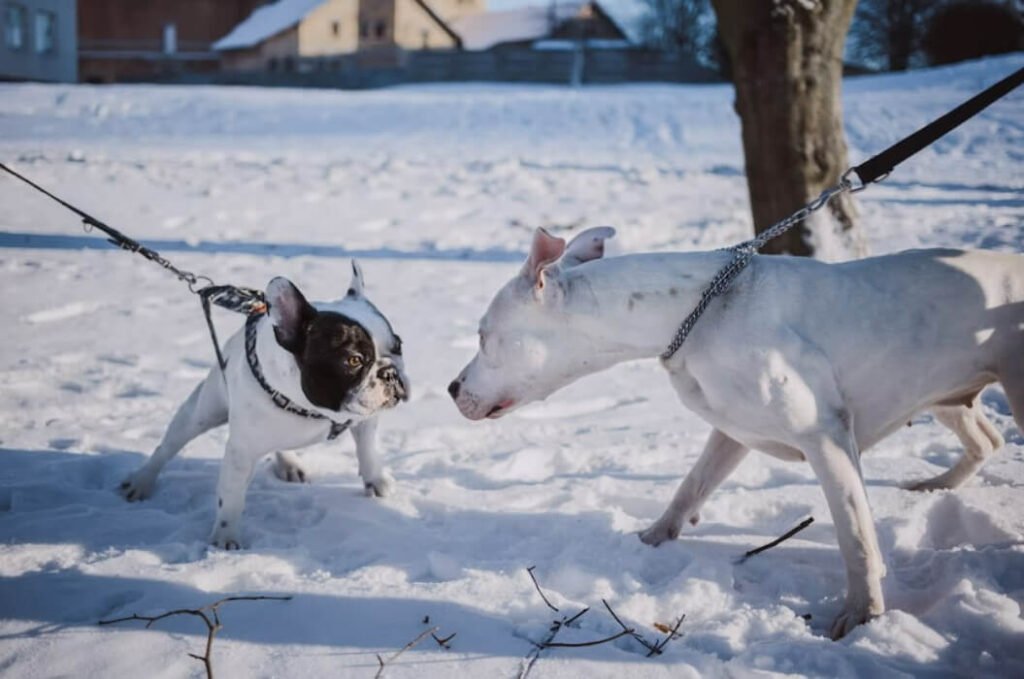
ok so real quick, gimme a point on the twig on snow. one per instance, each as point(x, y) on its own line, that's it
point(384, 663)
point(539, 590)
point(763, 548)
point(669, 636)
point(566, 644)
point(643, 642)
point(657, 647)
point(209, 616)
point(556, 626)
point(443, 643)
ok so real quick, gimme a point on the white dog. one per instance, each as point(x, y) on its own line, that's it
point(799, 359)
point(295, 376)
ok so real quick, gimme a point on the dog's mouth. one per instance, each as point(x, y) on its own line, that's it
point(500, 409)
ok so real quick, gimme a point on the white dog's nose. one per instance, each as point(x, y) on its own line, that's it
point(453, 389)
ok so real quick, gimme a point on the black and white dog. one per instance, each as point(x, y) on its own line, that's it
point(295, 376)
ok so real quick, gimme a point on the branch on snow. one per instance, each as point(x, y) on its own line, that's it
point(557, 625)
point(208, 614)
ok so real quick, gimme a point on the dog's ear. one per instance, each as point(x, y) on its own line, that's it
point(355, 288)
point(290, 313)
point(587, 245)
point(544, 250)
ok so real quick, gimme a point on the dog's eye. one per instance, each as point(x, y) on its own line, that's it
point(354, 361)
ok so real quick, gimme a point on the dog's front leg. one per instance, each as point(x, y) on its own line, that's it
point(376, 479)
point(834, 457)
point(720, 457)
point(235, 474)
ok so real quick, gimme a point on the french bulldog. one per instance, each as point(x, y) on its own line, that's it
point(802, 360)
point(296, 375)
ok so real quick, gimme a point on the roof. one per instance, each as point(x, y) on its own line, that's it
point(483, 31)
point(436, 18)
point(265, 22)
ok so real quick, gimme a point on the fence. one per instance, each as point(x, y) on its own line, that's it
point(525, 65)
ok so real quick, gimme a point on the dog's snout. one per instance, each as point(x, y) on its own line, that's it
point(453, 388)
point(390, 376)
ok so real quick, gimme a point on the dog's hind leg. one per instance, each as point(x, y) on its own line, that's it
point(1012, 379)
point(978, 436)
point(720, 457)
point(203, 410)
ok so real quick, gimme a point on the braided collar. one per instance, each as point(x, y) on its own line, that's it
point(279, 399)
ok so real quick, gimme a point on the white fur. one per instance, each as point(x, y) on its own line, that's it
point(800, 359)
point(257, 427)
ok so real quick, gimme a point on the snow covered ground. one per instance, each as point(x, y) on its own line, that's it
point(437, 189)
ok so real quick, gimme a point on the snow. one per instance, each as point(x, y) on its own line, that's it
point(437, 189)
point(265, 22)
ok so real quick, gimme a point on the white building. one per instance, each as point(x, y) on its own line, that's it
point(40, 40)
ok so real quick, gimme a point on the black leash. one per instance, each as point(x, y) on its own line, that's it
point(248, 301)
point(242, 300)
point(869, 172)
point(116, 237)
point(878, 166)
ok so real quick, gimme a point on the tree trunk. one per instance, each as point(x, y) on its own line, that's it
point(787, 60)
point(900, 20)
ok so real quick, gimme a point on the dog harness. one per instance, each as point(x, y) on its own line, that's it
point(279, 399)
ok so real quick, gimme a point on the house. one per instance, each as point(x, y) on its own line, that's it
point(143, 40)
point(549, 27)
point(277, 35)
point(39, 40)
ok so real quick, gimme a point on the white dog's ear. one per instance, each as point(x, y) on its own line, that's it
point(289, 312)
point(544, 250)
point(355, 288)
point(587, 245)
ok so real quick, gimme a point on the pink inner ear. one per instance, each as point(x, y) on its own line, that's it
point(544, 250)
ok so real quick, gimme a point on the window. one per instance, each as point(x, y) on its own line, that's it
point(46, 32)
point(364, 29)
point(381, 30)
point(336, 28)
point(170, 38)
point(14, 26)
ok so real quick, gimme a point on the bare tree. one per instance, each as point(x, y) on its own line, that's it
point(787, 60)
point(889, 31)
point(677, 25)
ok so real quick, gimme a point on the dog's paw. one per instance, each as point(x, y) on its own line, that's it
point(382, 485)
point(853, 614)
point(290, 470)
point(137, 487)
point(225, 537)
point(661, 531)
point(924, 485)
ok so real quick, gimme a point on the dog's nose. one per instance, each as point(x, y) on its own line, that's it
point(453, 389)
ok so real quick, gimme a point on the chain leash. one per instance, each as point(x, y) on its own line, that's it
point(744, 252)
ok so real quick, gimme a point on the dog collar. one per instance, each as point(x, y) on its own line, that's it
point(279, 399)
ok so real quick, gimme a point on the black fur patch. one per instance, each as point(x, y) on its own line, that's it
point(324, 344)
point(328, 341)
